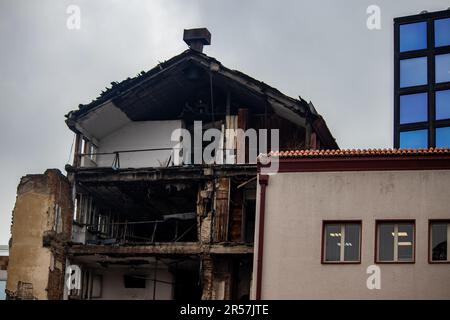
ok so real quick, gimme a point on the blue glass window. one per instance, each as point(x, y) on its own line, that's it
point(443, 137)
point(413, 72)
point(443, 67)
point(413, 108)
point(414, 139)
point(413, 36)
point(442, 104)
point(442, 32)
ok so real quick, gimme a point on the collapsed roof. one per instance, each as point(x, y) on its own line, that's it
point(162, 94)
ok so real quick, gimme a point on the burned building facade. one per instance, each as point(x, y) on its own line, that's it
point(136, 217)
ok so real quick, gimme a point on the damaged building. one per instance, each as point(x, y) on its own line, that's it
point(132, 219)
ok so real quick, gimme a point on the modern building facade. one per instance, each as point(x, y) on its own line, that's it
point(422, 80)
point(354, 224)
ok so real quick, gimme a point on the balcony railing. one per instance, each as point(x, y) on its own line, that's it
point(116, 157)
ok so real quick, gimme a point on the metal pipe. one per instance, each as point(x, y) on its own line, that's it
point(263, 182)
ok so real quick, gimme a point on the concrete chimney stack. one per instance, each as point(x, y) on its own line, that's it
point(197, 38)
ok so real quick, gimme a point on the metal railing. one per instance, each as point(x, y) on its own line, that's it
point(125, 235)
point(116, 161)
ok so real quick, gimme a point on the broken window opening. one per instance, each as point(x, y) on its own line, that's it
point(134, 281)
point(76, 206)
point(96, 287)
point(93, 152)
point(249, 221)
point(57, 227)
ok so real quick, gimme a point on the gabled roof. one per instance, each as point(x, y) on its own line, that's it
point(166, 84)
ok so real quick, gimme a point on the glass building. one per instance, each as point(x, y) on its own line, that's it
point(422, 80)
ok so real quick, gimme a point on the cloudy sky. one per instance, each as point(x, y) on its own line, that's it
point(320, 50)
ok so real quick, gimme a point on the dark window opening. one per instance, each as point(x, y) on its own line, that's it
point(134, 281)
point(341, 242)
point(395, 241)
point(439, 236)
point(250, 208)
point(187, 280)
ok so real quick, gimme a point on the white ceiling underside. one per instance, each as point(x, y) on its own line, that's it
point(288, 114)
point(102, 121)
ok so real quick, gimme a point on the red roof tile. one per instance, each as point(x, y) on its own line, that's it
point(359, 153)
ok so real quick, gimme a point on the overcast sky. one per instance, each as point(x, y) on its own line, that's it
point(320, 50)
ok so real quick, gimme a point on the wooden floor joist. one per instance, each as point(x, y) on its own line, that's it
point(165, 248)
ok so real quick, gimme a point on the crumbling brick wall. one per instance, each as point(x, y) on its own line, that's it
point(42, 222)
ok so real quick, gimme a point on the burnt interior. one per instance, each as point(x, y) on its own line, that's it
point(126, 212)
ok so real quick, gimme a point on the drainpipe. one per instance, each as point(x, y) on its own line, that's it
point(263, 182)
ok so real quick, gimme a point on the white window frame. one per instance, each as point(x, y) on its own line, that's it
point(342, 243)
point(396, 242)
point(76, 208)
point(430, 249)
point(93, 152)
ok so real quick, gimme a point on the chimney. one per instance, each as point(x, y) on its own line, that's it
point(197, 38)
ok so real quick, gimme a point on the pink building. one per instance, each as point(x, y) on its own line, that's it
point(350, 224)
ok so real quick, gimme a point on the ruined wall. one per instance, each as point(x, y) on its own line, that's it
point(42, 221)
point(221, 210)
point(216, 279)
point(220, 219)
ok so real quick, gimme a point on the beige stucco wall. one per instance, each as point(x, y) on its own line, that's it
point(28, 260)
point(31, 259)
point(296, 205)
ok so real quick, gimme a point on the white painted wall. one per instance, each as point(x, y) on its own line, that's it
point(139, 135)
point(113, 287)
point(297, 204)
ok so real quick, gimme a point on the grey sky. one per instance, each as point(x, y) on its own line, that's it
point(318, 49)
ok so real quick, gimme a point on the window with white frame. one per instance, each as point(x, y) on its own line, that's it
point(395, 241)
point(439, 235)
point(341, 242)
